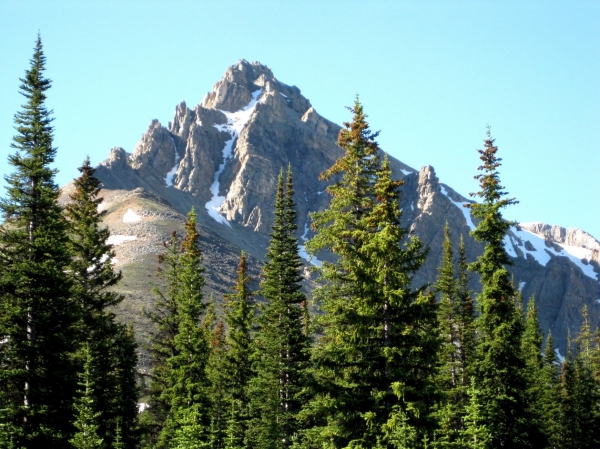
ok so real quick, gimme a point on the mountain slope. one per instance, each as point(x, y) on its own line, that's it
point(222, 157)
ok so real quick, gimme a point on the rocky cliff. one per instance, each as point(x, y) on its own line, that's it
point(222, 157)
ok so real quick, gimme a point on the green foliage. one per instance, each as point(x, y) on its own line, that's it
point(377, 332)
point(234, 370)
point(180, 346)
point(86, 419)
point(578, 409)
point(111, 344)
point(191, 433)
point(281, 346)
point(37, 315)
point(475, 433)
point(500, 365)
point(550, 385)
point(218, 389)
point(531, 347)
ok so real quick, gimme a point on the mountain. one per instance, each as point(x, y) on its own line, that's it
point(223, 156)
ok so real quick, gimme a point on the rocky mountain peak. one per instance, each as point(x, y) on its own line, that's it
point(428, 186)
point(223, 157)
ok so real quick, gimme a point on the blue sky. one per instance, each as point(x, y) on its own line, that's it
point(430, 74)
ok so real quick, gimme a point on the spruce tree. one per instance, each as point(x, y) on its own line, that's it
point(112, 346)
point(531, 347)
point(217, 379)
point(240, 311)
point(343, 357)
point(281, 352)
point(37, 377)
point(374, 364)
point(475, 433)
point(550, 385)
point(186, 381)
point(578, 411)
point(449, 375)
point(87, 419)
point(164, 315)
point(500, 365)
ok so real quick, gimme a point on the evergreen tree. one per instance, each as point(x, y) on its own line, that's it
point(112, 347)
point(550, 385)
point(475, 433)
point(375, 362)
point(281, 346)
point(217, 379)
point(531, 347)
point(448, 380)
point(164, 315)
point(191, 433)
point(240, 311)
point(578, 413)
point(500, 365)
point(465, 319)
point(186, 382)
point(37, 377)
point(87, 419)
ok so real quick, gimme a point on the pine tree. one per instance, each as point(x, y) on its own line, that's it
point(377, 332)
point(281, 346)
point(500, 365)
point(87, 419)
point(113, 348)
point(37, 377)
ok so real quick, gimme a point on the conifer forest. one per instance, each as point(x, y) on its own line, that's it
point(367, 361)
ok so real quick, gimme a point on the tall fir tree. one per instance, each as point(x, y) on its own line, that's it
point(531, 347)
point(343, 356)
point(500, 366)
point(550, 385)
point(240, 314)
point(165, 318)
point(374, 365)
point(217, 380)
point(186, 383)
point(578, 410)
point(37, 316)
point(281, 346)
point(112, 346)
point(449, 375)
point(87, 419)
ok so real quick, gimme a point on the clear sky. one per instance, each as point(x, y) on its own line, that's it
point(431, 75)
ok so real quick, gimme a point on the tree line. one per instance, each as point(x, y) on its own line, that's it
point(381, 364)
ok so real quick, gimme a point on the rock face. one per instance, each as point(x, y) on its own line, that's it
point(223, 156)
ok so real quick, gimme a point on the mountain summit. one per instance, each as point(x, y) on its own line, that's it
point(223, 156)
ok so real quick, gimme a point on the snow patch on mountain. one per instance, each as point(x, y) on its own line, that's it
point(173, 171)
point(120, 239)
point(302, 249)
point(235, 123)
point(542, 253)
point(131, 217)
point(464, 210)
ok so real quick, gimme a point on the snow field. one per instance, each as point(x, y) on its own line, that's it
point(235, 123)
